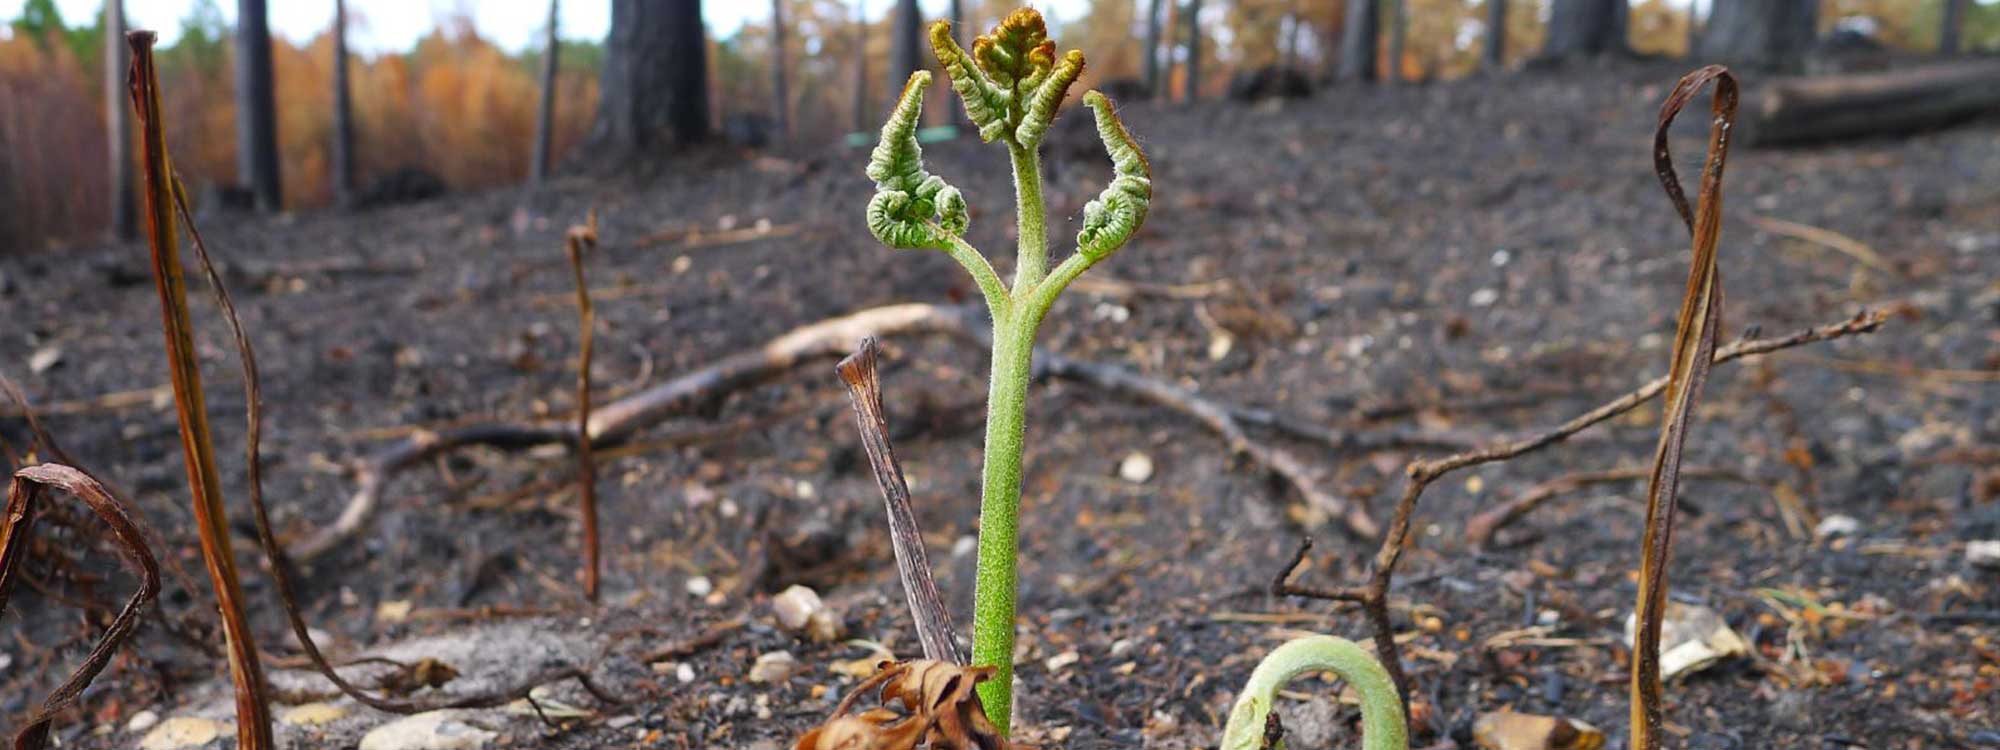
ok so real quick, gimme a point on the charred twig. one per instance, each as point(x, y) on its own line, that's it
point(619, 421)
point(934, 626)
point(1374, 596)
point(253, 716)
point(580, 239)
point(1481, 529)
point(700, 642)
point(24, 494)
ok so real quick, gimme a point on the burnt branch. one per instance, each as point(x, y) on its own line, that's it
point(864, 389)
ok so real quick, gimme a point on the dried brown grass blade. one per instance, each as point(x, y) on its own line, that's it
point(1694, 351)
point(933, 621)
point(253, 716)
point(939, 708)
point(25, 493)
point(579, 240)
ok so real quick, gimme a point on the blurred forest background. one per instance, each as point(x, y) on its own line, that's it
point(464, 111)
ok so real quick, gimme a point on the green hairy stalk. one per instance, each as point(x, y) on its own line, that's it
point(1382, 726)
point(1012, 84)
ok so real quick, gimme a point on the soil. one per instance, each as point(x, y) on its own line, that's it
point(1486, 257)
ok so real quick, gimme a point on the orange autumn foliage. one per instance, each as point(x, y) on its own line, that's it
point(456, 106)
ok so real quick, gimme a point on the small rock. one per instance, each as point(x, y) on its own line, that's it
point(393, 611)
point(44, 358)
point(142, 721)
point(183, 732)
point(313, 714)
point(1485, 297)
point(1136, 468)
point(1509, 730)
point(436, 730)
point(1691, 639)
point(684, 673)
point(964, 545)
point(1984, 553)
point(1060, 661)
point(800, 610)
point(774, 667)
point(1837, 525)
point(621, 722)
point(700, 586)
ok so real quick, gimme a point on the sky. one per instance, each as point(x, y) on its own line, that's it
point(395, 25)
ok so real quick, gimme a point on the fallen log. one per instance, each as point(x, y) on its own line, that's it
point(1807, 110)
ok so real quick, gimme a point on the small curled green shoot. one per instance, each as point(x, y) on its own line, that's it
point(1013, 85)
point(1382, 726)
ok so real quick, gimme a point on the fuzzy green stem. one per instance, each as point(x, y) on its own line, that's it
point(1000, 510)
point(1031, 261)
point(1382, 726)
point(990, 286)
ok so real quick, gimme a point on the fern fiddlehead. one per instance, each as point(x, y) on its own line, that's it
point(1382, 726)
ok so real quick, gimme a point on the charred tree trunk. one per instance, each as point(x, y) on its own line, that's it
point(256, 113)
point(1150, 63)
point(862, 117)
point(1585, 28)
point(545, 112)
point(1772, 34)
point(1495, 54)
point(1191, 88)
point(343, 112)
point(906, 46)
point(655, 83)
point(1358, 40)
point(781, 104)
point(1950, 26)
point(118, 123)
point(1399, 32)
point(1826, 108)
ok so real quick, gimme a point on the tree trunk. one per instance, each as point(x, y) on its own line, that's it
point(781, 104)
point(118, 123)
point(862, 117)
point(1950, 26)
point(1771, 34)
point(1150, 62)
point(343, 112)
point(1585, 28)
point(1191, 88)
point(655, 82)
point(1399, 32)
point(1694, 31)
point(545, 113)
point(1358, 40)
point(1290, 29)
point(1824, 108)
point(256, 113)
point(906, 47)
point(1495, 54)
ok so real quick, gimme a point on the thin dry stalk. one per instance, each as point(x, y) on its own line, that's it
point(281, 566)
point(253, 716)
point(23, 496)
point(1694, 353)
point(864, 389)
point(1484, 527)
point(581, 239)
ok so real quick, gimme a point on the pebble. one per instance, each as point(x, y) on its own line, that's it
point(684, 673)
point(183, 732)
point(700, 586)
point(774, 667)
point(435, 730)
point(800, 610)
point(1063, 660)
point(1837, 525)
point(1485, 297)
point(1136, 468)
point(44, 359)
point(1984, 553)
point(142, 721)
point(964, 546)
point(313, 714)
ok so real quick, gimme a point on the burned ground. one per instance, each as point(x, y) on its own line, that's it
point(1479, 258)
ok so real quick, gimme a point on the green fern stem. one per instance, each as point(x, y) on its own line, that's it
point(993, 603)
point(1382, 725)
point(1031, 260)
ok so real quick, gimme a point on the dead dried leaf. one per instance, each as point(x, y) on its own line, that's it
point(938, 709)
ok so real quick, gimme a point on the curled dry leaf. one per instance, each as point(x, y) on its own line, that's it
point(938, 709)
